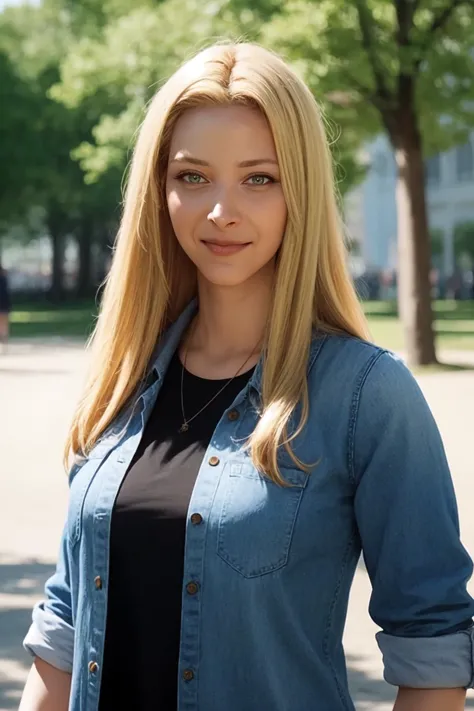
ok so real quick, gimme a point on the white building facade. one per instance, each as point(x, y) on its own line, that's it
point(370, 209)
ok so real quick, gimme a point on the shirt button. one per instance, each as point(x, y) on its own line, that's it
point(188, 675)
point(214, 461)
point(196, 519)
point(98, 582)
point(233, 415)
point(192, 588)
point(93, 666)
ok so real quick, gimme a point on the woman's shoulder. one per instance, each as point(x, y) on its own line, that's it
point(350, 353)
point(345, 367)
point(369, 396)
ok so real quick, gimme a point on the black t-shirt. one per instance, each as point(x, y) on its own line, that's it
point(140, 670)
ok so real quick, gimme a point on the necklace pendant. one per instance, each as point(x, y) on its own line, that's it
point(184, 427)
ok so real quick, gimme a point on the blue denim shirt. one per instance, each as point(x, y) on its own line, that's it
point(275, 565)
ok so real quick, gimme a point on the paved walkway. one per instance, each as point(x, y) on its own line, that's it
point(39, 383)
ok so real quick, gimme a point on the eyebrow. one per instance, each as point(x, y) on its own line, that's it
point(183, 158)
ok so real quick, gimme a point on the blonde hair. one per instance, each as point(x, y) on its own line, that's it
point(151, 280)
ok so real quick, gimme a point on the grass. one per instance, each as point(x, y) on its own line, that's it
point(42, 320)
point(454, 322)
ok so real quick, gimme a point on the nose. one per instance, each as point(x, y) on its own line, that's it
point(224, 215)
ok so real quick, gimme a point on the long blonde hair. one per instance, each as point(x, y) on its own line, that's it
point(151, 280)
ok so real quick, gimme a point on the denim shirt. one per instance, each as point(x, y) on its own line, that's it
point(274, 565)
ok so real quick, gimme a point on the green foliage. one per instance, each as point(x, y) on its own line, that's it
point(356, 52)
point(17, 140)
point(126, 64)
point(437, 242)
point(464, 240)
point(76, 76)
point(123, 69)
point(41, 134)
point(351, 52)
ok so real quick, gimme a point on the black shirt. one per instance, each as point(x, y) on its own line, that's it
point(140, 670)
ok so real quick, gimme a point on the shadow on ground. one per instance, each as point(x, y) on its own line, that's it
point(24, 582)
point(366, 690)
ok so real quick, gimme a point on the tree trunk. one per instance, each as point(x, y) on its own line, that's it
point(414, 249)
point(84, 286)
point(57, 242)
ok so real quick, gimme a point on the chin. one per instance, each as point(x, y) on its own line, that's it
point(223, 279)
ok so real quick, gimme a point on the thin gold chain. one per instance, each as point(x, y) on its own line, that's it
point(185, 426)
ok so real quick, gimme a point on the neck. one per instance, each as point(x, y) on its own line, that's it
point(232, 320)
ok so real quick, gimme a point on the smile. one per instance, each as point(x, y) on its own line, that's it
point(225, 248)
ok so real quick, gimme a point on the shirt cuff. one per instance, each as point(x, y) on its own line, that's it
point(444, 662)
point(50, 638)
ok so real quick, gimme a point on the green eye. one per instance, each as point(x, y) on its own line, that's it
point(260, 179)
point(192, 178)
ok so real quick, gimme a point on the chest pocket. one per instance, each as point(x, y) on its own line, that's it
point(257, 519)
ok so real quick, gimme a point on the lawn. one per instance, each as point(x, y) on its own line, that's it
point(454, 322)
point(42, 320)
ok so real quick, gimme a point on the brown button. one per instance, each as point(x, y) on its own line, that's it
point(214, 461)
point(233, 415)
point(93, 666)
point(98, 582)
point(192, 588)
point(188, 675)
point(196, 519)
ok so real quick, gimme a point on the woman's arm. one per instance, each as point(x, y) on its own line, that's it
point(407, 518)
point(430, 700)
point(47, 688)
point(50, 639)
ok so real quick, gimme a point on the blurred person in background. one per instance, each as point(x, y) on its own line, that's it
point(5, 308)
point(240, 441)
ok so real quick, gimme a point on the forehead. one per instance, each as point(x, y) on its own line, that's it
point(213, 128)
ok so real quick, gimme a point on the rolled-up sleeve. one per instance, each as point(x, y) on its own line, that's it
point(407, 518)
point(428, 662)
point(51, 639)
point(51, 634)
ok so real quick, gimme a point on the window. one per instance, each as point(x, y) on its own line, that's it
point(465, 162)
point(433, 170)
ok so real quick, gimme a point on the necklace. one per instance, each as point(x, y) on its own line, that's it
point(185, 426)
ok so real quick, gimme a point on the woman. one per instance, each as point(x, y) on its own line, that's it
point(5, 307)
point(240, 440)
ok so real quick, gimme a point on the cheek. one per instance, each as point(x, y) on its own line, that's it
point(175, 205)
point(272, 221)
point(182, 215)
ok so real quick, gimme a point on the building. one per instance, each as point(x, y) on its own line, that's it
point(371, 215)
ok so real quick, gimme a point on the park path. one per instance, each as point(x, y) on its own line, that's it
point(39, 383)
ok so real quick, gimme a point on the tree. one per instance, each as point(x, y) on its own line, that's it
point(126, 64)
point(405, 67)
point(464, 241)
point(17, 141)
point(437, 244)
point(34, 39)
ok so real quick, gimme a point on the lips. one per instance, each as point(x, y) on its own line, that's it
point(224, 248)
